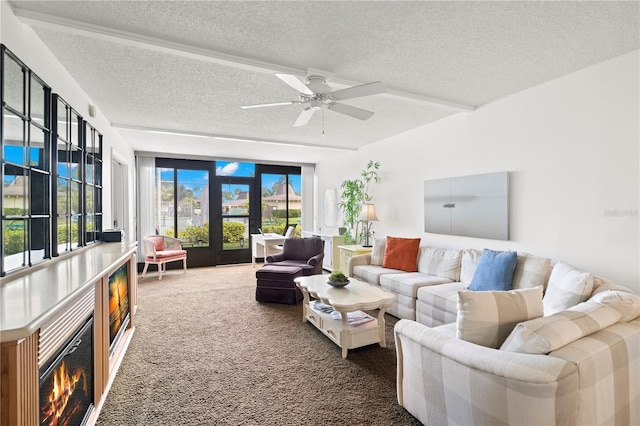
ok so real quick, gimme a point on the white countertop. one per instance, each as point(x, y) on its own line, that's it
point(27, 301)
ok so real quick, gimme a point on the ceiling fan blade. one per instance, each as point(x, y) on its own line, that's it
point(304, 117)
point(269, 105)
point(360, 114)
point(358, 91)
point(295, 82)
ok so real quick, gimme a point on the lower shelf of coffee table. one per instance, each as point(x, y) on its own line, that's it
point(355, 336)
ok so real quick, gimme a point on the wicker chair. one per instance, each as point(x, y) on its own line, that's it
point(160, 250)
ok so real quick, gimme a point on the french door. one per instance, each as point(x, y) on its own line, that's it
point(236, 218)
point(183, 191)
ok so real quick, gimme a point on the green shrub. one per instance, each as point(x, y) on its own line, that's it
point(232, 232)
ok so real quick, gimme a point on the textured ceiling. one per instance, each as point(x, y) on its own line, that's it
point(187, 66)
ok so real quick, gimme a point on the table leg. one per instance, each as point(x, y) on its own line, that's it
point(305, 303)
point(381, 333)
point(343, 334)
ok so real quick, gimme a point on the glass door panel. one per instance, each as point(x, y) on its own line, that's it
point(193, 207)
point(236, 203)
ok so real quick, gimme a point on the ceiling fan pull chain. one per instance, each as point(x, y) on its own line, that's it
point(323, 123)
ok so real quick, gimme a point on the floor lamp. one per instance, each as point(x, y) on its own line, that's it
point(368, 215)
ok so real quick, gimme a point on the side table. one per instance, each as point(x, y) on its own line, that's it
point(347, 252)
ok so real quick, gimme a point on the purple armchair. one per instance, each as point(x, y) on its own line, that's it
point(305, 253)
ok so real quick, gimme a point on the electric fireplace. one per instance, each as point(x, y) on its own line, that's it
point(66, 382)
point(118, 305)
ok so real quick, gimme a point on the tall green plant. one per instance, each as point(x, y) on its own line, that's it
point(355, 192)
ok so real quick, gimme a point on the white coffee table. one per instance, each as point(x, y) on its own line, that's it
point(357, 295)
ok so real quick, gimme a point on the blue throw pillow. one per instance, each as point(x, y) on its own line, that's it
point(494, 271)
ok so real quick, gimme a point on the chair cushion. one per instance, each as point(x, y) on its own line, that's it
point(301, 248)
point(401, 253)
point(494, 271)
point(486, 318)
point(158, 242)
point(567, 287)
point(545, 334)
point(170, 253)
point(278, 273)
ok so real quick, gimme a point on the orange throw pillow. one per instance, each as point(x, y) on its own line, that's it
point(401, 253)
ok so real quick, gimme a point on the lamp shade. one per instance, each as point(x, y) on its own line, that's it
point(368, 213)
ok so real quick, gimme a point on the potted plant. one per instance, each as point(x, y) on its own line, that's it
point(355, 193)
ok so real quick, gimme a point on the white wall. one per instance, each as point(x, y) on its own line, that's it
point(24, 43)
point(571, 147)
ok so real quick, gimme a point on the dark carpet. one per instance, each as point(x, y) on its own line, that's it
point(206, 353)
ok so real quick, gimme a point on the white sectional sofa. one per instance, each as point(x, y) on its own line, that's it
point(578, 364)
point(430, 295)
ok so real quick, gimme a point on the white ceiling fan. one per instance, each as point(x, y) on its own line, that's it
point(315, 92)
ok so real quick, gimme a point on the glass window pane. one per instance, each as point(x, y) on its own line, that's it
point(14, 244)
point(63, 197)
point(294, 206)
point(63, 234)
point(13, 84)
point(37, 148)
point(74, 195)
point(193, 206)
point(165, 181)
point(274, 203)
point(225, 168)
point(75, 231)
point(74, 162)
point(39, 239)
point(37, 102)
point(62, 121)
point(235, 233)
point(74, 138)
point(88, 173)
point(97, 200)
point(235, 199)
point(89, 199)
point(97, 171)
point(39, 189)
point(14, 191)
point(14, 138)
point(63, 159)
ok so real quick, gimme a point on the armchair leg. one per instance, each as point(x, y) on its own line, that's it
point(144, 271)
point(160, 270)
point(184, 265)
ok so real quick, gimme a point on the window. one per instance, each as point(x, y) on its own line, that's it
point(25, 134)
point(51, 171)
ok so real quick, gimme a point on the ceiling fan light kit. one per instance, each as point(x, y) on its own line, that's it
point(315, 92)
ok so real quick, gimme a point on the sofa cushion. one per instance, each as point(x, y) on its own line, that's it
point(470, 259)
point(494, 271)
point(621, 299)
point(440, 262)
point(567, 287)
point(408, 283)
point(545, 334)
point(377, 252)
point(531, 271)
point(372, 273)
point(438, 304)
point(401, 253)
point(487, 317)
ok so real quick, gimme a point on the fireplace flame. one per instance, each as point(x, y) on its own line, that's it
point(63, 387)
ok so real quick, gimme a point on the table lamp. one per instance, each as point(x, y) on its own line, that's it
point(368, 215)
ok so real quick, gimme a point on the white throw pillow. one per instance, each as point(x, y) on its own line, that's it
point(546, 334)
point(377, 252)
point(440, 262)
point(487, 317)
point(470, 260)
point(567, 287)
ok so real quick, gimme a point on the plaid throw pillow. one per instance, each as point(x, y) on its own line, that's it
point(487, 317)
